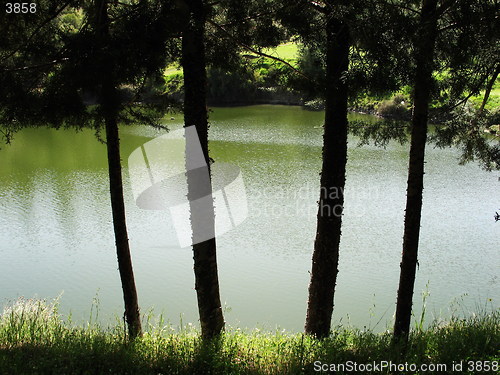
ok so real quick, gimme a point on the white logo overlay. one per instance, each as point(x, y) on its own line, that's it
point(159, 173)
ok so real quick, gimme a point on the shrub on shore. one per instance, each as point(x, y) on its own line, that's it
point(395, 108)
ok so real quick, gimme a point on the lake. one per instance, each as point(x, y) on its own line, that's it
point(56, 235)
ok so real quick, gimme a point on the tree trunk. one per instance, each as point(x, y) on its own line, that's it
point(326, 246)
point(423, 85)
point(488, 89)
point(202, 214)
point(132, 314)
point(110, 105)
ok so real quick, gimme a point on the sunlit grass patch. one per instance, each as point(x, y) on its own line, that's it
point(288, 50)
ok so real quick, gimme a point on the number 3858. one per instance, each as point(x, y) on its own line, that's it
point(20, 8)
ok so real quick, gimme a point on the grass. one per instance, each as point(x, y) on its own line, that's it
point(494, 99)
point(34, 339)
point(289, 51)
point(172, 69)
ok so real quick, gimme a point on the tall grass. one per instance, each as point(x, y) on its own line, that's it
point(34, 339)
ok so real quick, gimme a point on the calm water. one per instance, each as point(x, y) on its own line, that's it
point(56, 231)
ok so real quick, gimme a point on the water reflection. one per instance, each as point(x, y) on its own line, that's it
point(56, 232)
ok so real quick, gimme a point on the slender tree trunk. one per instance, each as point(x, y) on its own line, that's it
point(132, 315)
point(326, 246)
point(110, 105)
point(195, 113)
point(423, 85)
point(487, 92)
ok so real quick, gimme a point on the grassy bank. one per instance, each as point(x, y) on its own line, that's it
point(262, 80)
point(34, 339)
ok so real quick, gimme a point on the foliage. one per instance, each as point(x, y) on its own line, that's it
point(50, 63)
point(231, 87)
point(251, 79)
point(174, 85)
point(468, 48)
point(380, 132)
point(29, 52)
point(466, 131)
point(311, 63)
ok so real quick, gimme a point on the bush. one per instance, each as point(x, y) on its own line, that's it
point(395, 108)
point(399, 99)
point(230, 87)
point(174, 85)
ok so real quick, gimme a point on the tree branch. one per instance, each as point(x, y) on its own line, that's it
point(252, 17)
point(471, 93)
point(402, 6)
point(253, 50)
point(33, 67)
point(445, 5)
point(458, 24)
point(489, 87)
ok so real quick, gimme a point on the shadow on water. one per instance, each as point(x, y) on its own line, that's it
point(462, 130)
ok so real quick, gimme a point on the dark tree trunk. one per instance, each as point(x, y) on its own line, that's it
point(424, 54)
point(326, 246)
point(202, 217)
point(110, 105)
point(132, 314)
